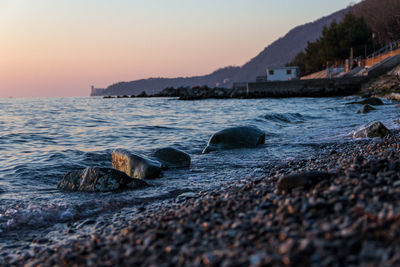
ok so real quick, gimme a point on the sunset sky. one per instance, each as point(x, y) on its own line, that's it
point(61, 47)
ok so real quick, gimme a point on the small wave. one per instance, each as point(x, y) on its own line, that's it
point(287, 117)
point(35, 216)
point(28, 137)
point(43, 215)
point(48, 214)
point(158, 128)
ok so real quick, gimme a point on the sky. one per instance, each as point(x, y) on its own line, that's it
point(54, 48)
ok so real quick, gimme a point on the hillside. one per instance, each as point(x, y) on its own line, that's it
point(154, 85)
point(277, 54)
point(286, 48)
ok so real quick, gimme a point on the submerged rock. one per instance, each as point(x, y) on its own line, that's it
point(98, 180)
point(305, 179)
point(366, 109)
point(374, 129)
point(135, 165)
point(235, 137)
point(374, 101)
point(172, 158)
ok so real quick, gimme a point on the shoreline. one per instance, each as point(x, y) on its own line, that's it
point(382, 80)
point(275, 89)
point(349, 218)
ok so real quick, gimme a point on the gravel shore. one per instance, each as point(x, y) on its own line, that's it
point(349, 217)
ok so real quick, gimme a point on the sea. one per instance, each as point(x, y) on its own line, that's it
point(42, 139)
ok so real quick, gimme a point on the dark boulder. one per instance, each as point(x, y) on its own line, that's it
point(172, 92)
point(221, 93)
point(172, 157)
point(306, 179)
point(167, 92)
point(135, 165)
point(235, 137)
point(195, 93)
point(142, 94)
point(98, 180)
point(374, 101)
point(366, 109)
point(204, 92)
point(371, 130)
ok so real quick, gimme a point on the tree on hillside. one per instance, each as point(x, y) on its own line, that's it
point(335, 44)
point(382, 16)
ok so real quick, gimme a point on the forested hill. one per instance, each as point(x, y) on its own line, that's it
point(278, 53)
point(283, 50)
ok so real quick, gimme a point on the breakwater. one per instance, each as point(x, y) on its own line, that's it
point(276, 89)
point(304, 88)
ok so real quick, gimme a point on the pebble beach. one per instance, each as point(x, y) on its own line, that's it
point(289, 159)
point(350, 216)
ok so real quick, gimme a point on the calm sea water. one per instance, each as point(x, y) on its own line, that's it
point(43, 139)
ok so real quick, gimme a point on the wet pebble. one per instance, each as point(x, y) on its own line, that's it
point(309, 218)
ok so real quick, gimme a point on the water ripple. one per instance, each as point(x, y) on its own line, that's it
point(42, 139)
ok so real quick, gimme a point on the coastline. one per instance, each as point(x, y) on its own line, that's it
point(349, 218)
point(275, 89)
point(381, 80)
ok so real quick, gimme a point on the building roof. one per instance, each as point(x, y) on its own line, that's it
point(283, 68)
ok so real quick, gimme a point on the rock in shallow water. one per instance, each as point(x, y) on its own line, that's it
point(99, 180)
point(305, 179)
point(374, 101)
point(172, 158)
point(236, 137)
point(135, 165)
point(366, 109)
point(371, 130)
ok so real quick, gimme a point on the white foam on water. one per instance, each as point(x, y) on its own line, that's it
point(36, 216)
point(33, 216)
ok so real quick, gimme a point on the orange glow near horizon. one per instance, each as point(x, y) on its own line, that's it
point(61, 48)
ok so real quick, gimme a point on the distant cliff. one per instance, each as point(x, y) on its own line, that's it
point(277, 54)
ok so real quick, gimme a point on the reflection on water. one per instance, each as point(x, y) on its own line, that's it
point(42, 139)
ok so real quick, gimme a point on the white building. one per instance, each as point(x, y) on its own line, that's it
point(282, 74)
